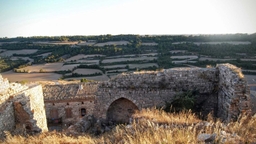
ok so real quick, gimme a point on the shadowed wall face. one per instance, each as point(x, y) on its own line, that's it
point(121, 110)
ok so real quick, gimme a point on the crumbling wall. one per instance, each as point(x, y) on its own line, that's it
point(29, 109)
point(7, 121)
point(7, 91)
point(149, 89)
point(220, 90)
point(234, 94)
point(21, 107)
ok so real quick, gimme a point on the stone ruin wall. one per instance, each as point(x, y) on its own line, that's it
point(220, 90)
point(234, 93)
point(150, 89)
point(21, 108)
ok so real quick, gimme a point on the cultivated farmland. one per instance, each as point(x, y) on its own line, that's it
point(112, 43)
point(85, 71)
point(128, 59)
point(24, 51)
point(49, 67)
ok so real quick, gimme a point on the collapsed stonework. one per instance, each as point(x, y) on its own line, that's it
point(21, 108)
point(221, 90)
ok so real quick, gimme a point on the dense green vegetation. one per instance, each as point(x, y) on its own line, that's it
point(8, 64)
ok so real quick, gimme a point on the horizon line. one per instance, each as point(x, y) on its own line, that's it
point(128, 34)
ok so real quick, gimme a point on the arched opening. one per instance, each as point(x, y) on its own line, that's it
point(121, 110)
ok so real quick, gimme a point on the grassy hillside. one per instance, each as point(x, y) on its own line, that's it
point(157, 126)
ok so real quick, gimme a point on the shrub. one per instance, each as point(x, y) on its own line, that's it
point(183, 101)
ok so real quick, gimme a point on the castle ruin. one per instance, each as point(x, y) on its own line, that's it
point(221, 90)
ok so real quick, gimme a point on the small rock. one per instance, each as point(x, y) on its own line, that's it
point(206, 137)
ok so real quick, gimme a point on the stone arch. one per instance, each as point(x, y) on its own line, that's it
point(121, 110)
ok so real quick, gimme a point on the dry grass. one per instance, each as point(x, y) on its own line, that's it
point(160, 116)
point(156, 127)
point(237, 70)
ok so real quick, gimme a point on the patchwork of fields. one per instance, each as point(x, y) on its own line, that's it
point(102, 67)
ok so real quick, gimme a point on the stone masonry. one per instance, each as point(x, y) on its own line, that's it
point(21, 108)
point(69, 102)
point(154, 89)
point(234, 94)
point(221, 90)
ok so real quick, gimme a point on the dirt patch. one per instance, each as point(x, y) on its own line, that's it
point(150, 54)
point(112, 43)
point(189, 57)
point(44, 54)
point(81, 56)
point(115, 66)
point(178, 51)
point(251, 79)
point(121, 56)
point(150, 44)
point(118, 70)
point(24, 58)
point(86, 43)
point(87, 71)
point(24, 51)
point(128, 59)
point(69, 67)
point(145, 65)
point(214, 59)
point(93, 62)
point(13, 77)
point(226, 42)
point(248, 59)
point(48, 67)
point(57, 43)
point(95, 78)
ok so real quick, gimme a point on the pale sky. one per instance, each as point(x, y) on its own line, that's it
point(96, 17)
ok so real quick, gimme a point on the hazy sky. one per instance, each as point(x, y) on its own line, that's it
point(94, 17)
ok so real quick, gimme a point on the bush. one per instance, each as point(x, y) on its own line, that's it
point(183, 101)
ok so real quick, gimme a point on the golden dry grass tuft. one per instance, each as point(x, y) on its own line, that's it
point(237, 70)
point(155, 126)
